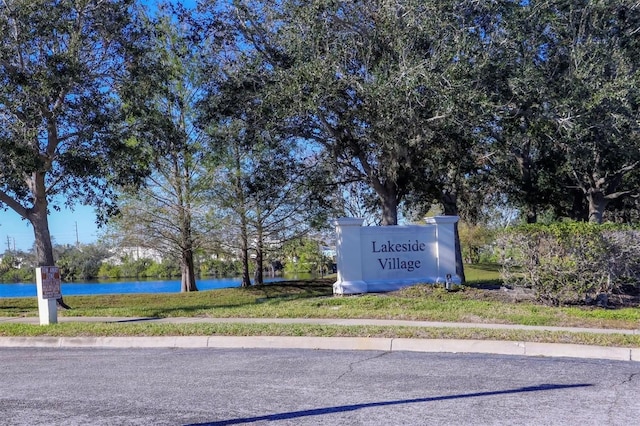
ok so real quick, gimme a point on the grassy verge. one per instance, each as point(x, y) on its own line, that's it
point(314, 299)
point(203, 329)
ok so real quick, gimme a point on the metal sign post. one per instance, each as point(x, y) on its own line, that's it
point(48, 284)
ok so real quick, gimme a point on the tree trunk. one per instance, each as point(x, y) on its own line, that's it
point(182, 187)
point(246, 279)
point(188, 277)
point(450, 205)
point(527, 176)
point(244, 253)
point(389, 200)
point(242, 214)
point(38, 217)
point(531, 215)
point(578, 212)
point(258, 276)
point(597, 204)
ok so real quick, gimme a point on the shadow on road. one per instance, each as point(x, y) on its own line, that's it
point(353, 407)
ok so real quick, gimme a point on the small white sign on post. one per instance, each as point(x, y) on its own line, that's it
point(48, 286)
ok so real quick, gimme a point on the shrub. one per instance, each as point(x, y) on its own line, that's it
point(134, 268)
point(476, 242)
point(24, 274)
point(220, 268)
point(108, 270)
point(570, 262)
point(165, 269)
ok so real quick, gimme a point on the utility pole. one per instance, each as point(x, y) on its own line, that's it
point(77, 240)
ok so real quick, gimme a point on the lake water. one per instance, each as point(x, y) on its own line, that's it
point(121, 287)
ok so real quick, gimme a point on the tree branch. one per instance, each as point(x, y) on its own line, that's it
point(13, 204)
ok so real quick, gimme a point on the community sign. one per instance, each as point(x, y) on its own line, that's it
point(386, 258)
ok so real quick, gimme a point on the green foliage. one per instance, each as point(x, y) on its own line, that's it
point(475, 240)
point(147, 268)
point(108, 270)
point(570, 262)
point(61, 128)
point(303, 255)
point(169, 211)
point(17, 266)
point(283, 105)
point(8, 262)
point(566, 137)
point(374, 84)
point(163, 269)
point(134, 268)
point(81, 263)
point(220, 268)
point(18, 275)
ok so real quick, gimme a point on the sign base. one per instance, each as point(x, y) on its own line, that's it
point(48, 286)
point(48, 311)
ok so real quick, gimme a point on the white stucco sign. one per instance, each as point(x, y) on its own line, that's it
point(386, 258)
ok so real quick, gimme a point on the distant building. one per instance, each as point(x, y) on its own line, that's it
point(134, 253)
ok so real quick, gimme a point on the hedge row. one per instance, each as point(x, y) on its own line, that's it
point(571, 262)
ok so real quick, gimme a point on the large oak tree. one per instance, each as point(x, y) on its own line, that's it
point(597, 104)
point(371, 83)
point(60, 140)
point(565, 91)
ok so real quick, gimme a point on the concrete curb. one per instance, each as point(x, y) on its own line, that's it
point(460, 346)
point(330, 343)
point(334, 343)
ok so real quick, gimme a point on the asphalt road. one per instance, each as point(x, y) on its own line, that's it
point(93, 386)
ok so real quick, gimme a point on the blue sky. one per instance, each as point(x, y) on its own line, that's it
point(62, 226)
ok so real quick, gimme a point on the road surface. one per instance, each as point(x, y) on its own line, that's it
point(94, 386)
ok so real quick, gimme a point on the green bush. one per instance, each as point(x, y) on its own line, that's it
point(476, 243)
point(221, 268)
point(135, 268)
point(570, 262)
point(303, 256)
point(108, 270)
point(80, 263)
point(24, 274)
point(162, 270)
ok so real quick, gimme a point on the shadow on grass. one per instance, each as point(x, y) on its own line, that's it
point(203, 303)
point(354, 407)
point(319, 284)
point(134, 320)
point(486, 284)
point(288, 290)
point(272, 293)
point(492, 267)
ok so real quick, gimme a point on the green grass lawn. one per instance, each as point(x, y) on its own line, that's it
point(314, 299)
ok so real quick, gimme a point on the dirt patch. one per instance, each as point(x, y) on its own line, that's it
point(623, 301)
point(500, 293)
